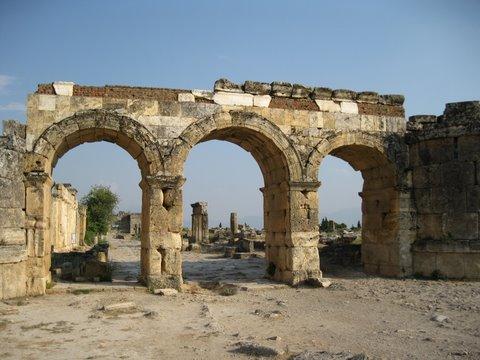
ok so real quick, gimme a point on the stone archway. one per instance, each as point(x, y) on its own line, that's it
point(290, 216)
point(54, 142)
point(383, 216)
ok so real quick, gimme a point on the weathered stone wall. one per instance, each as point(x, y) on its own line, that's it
point(444, 157)
point(66, 222)
point(287, 128)
point(13, 253)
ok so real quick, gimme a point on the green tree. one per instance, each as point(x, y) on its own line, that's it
point(100, 203)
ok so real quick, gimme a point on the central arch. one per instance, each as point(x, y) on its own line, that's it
point(281, 168)
point(54, 142)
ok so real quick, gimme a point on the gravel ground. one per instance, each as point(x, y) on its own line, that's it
point(357, 314)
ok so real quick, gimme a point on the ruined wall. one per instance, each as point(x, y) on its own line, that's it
point(135, 224)
point(66, 223)
point(13, 253)
point(444, 157)
point(288, 129)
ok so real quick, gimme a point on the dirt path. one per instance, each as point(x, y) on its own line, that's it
point(383, 318)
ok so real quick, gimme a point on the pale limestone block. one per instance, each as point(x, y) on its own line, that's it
point(349, 107)
point(186, 97)
point(143, 107)
point(261, 100)
point(63, 88)
point(367, 123)
point(46, 102)
point(233, 99)
point(204, 94)
point(316, 119)
point(12, 254)
point(328, 105)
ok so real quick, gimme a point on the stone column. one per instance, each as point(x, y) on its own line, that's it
point(199, 223)
point(233, 225)
point(161, 263)
point(37, 202)
point(291, 231)
point(82, 224)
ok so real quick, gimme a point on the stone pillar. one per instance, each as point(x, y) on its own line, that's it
point(37, 201)
point(199, 223)
point(161, 263)
point(291, 232)
point(233, 225)
point(81, 224)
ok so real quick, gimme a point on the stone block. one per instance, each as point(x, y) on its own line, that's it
point(392, 99)
point(451, 265)
point(13, 236)
point(257, 88)
point(12, 253)
point(424, 263)
point(46, 102)
point(343, 94)
point(233, 99)
point(64, 88)
point(13, 280)
point(368, 96)
point(203, 94)
point(281, 89)
point(462, 226)
point(146, 107)
point(472, 265)
point(186, 97)
point(300, 91)
point(349, 107)
point(321, 93)
point(261, 100)
point(328, 105)
point(226, 85)
point(12, 218)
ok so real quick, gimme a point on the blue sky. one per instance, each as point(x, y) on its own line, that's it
point(427, 50)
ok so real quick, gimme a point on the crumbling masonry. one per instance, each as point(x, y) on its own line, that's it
point(420, 194)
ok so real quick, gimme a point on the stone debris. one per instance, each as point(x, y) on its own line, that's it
point(439, 318)
point(123, 306)
point(257, 350)
point(326, 355)
point(165, 292)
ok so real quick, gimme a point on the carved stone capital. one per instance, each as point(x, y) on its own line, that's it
point(35, 178)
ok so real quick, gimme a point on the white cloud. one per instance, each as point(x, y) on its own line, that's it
point(5, 81)
point(13, 106)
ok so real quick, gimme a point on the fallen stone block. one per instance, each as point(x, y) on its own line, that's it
point(119, 306)
point(165, 292)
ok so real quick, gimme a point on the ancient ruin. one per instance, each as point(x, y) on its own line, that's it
point(200, 223)
point(68, 219)
point(420, 193)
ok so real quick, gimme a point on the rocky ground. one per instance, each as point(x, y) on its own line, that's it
point(251, 318)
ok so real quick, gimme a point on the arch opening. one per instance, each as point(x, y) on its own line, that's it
point(100, 165)
point(276, 173)
point(67, 134)
point(379, 209)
